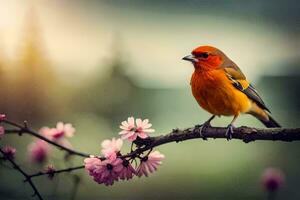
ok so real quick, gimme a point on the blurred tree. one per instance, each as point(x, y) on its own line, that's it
point(2, 62)
point(115, 95)
point(111, 95)
point(4, 82)
point(6, 86)
point(33, 78)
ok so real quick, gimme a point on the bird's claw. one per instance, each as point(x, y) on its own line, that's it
point(229, 132)
point(201, 128)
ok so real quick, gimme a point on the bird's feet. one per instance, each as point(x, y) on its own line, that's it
point(229, 132)
point(202, 127)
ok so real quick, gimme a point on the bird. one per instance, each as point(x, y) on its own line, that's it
point(220, 87)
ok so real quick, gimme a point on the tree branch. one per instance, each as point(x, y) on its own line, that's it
point(246, 134)
point(56, 171)
point(26, 176)
point(24, 129)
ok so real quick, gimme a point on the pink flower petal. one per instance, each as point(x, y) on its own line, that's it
point(124, 123)
point(149, 130)
point(131, 121)
point(2, 131)
point(143, 135)
point(145, 122)
point(129, 134)
point(139, 122)
point(60, 126)
point(126, 128)
point(133, 137)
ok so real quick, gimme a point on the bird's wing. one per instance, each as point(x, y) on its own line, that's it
point(238, 79)
point(231, 68)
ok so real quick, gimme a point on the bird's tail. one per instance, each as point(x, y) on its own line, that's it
point(263, 116)
point(271, 123)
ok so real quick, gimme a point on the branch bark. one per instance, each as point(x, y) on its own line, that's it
point(246, 134)
point(56, 171)
point(23, 129)
point(26, 176)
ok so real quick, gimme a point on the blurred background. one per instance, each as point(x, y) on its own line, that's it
point(94, 63)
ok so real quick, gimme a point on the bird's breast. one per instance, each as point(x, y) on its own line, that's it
point(215, 93)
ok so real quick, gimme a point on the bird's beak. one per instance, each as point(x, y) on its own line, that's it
point(190, 58)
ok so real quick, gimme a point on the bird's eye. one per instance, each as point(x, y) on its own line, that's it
point(204, 55)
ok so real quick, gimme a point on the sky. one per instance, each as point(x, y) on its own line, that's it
point(79, 38)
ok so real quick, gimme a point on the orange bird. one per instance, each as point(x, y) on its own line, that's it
point(221, 88)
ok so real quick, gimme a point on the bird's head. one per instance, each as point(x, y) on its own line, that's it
point(206, 58)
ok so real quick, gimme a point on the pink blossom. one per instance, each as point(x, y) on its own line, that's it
point(59, 133)
point(62, 129)
point(105, 171)
point(38, 151)
point(91, 163)
point(46, 132)
point(8, 152)
point(150, 163)
point(111, 147)
point(272, 179)
point(126, 171)
point(2, 131)
point(2, 117)
point(131, 130)
point(50, 170)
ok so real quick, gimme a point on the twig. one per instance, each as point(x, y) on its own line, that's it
point(24, 129)
point(55, 171)
point(26, 176)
